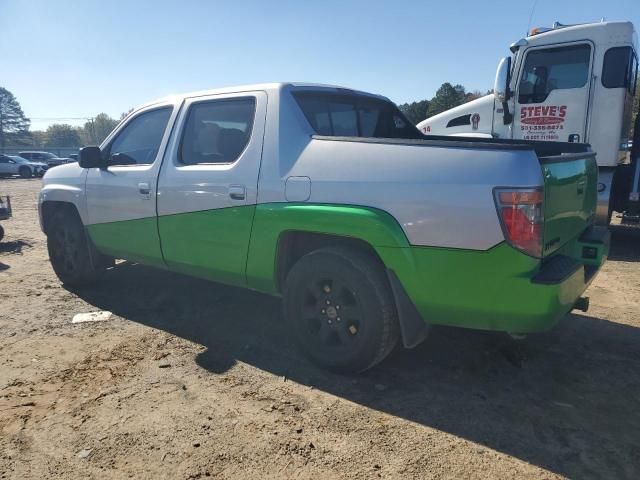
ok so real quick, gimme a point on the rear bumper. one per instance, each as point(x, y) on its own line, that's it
point(500, 289)
point(564, 278)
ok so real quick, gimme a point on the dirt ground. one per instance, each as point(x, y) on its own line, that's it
point(190, 379)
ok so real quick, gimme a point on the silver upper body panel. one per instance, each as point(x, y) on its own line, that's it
point(441, 196)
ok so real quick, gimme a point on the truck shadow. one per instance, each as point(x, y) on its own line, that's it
point(564, 400)
point(15, 246)
point(625, 243)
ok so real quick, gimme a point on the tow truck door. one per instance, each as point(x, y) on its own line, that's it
point(552, 95)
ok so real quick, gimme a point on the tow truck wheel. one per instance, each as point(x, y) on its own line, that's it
point(74, 259)
point(25, 172)
point(340, 308)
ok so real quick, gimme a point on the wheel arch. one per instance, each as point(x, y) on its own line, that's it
point(49, 208)
point(55, 196)
point(294, 244)
point(283, 232)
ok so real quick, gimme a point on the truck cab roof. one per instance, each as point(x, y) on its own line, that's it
point(269, 88)
point(599, 32)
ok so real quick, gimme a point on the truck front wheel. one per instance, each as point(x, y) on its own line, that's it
point(70, 251)
point(25, 172)
point(339, 305)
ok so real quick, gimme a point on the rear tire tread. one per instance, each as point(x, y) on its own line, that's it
point(375, 276)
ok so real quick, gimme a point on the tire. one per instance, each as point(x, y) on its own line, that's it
point(73, 258)
point(1, 233)
point(25, 172)
point(339, 305)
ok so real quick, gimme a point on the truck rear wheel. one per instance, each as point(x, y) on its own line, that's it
point(339, 305)
point(73, 258)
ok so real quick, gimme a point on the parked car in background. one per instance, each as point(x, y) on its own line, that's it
point(74, 157)
point(14, 165)
point(49, 158)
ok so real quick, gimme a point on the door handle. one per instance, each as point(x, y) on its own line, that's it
point(237, 192)
point(144, 188)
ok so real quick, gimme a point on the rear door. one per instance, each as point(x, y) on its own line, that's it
point(120, 199)
point(553, 93)
point(207, 189)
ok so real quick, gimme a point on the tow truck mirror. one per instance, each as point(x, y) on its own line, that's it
point(501, 84)
point(90, 157)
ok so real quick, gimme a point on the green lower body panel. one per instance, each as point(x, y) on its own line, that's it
point(492, 290)
point(135, 240)
point(210, 244)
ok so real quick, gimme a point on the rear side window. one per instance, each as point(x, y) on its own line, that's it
point(620, 68)
point(553, 69)
point(352, 115)
point(139, 141)
point(217, 131)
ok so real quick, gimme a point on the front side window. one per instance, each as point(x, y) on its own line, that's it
point(620, 68)
point(139, 141)
point(353, 115)
point(553, 69)
point(217, 131)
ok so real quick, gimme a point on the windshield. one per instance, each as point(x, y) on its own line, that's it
point(18, 159)
point(352, 115)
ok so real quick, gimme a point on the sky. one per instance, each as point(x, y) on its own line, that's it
point(66, 59)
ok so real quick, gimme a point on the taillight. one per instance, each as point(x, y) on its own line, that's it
point(522, 218)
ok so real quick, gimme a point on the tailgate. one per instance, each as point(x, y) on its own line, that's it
point(570, 197)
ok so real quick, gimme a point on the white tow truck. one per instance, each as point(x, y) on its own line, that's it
point(567, 83)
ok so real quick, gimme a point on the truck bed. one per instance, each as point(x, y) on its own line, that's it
point(542, 149)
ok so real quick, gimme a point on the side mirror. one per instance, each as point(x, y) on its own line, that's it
point(91, 157)
point(501, 83)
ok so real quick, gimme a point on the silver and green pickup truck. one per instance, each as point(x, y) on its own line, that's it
point(369, 230)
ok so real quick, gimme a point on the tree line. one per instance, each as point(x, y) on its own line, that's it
point(15, 128)
point(446, 97)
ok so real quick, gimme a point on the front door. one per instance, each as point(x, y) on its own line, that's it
point(207, 189)
point(121, 198)
point(552, 97)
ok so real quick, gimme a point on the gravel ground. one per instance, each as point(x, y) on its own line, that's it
point(190, 379)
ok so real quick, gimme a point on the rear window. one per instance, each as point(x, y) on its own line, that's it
point(352, 115)
point(620, 68)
